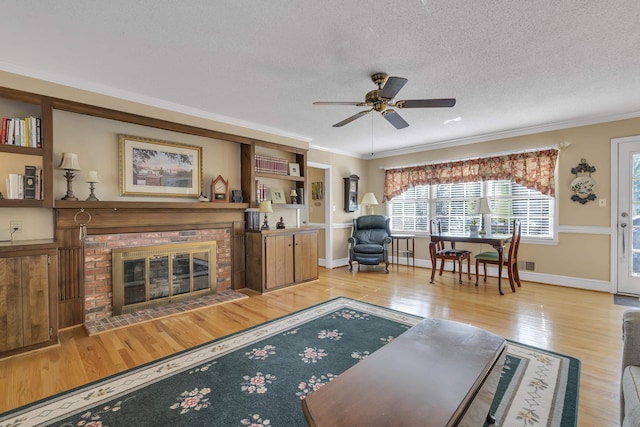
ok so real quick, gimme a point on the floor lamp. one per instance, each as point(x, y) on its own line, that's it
point(482, 209)
point(369, 200)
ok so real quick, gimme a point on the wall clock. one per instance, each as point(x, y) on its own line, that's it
point(219, 190)
point(351, 193)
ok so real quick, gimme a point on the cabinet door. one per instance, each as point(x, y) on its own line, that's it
point(278, 261)
point(10, 304)
point(306, 256)
point(35, 299)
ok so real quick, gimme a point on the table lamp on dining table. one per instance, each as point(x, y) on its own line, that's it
point(482, 208)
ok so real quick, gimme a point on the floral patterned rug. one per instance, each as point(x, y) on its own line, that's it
point(258, 377)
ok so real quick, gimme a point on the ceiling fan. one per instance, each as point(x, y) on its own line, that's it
point(382, 98)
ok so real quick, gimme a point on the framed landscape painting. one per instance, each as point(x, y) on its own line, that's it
point(149, 167)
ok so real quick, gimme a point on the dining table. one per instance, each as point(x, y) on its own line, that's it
point(497, 241)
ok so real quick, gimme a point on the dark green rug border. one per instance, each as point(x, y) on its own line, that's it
point(570, 398)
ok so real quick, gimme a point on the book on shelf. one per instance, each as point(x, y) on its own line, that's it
point(25, 132)
point(30, 183)
point(15, 186)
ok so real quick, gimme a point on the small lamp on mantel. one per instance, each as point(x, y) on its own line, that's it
point(483, 208)
point(265, 206)
point(69, 163)
point(369, 200)
point(92, 178)
point(294, 196)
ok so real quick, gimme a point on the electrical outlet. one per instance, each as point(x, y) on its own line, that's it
point(602, 203)
point(15, 225)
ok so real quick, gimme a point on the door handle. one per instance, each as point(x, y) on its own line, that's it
point(623, 225)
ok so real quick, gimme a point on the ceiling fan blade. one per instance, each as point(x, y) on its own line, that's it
point(392, 87)
point(339, 103)
point(395, 119)
point(352, 118)
point(426, 103)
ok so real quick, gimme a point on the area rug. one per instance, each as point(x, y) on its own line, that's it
point(258, 377)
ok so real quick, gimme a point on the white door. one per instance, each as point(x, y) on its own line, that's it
point(627, 224)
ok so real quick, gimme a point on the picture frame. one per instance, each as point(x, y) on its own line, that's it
point(317, 190)
point(150, 167)
point(294, 169)
point(278, 196)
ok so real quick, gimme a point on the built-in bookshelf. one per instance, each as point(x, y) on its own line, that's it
point(25, 150)
point(268, 167)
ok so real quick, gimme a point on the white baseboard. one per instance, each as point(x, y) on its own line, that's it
point(548, 279)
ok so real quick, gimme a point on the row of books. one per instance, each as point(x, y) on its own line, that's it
point(27, 186)
point(272, 165)
point(25, 132)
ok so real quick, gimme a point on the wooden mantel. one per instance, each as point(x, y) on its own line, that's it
point(113, 217)
point(131, 216)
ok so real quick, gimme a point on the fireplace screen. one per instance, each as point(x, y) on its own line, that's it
point(154, 275)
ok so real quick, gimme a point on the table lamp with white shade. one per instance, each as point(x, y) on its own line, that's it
point(369, 200)
point(265, 207)
point(482, 208)
point(70, 164)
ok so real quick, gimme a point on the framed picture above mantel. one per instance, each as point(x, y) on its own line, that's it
point(150, 167)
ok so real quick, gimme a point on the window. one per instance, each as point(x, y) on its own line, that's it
point(453, 205)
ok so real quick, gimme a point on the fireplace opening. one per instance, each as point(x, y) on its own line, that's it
point(150, 276)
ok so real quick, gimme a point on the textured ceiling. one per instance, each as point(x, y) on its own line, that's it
point(513, 66)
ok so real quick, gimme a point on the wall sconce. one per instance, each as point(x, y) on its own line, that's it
point(294, 197)
point(265, 207)
point(369, 200)
point(482, 208)
point(92, 178)
point(69, 163)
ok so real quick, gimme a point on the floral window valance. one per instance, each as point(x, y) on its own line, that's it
point(534, 170)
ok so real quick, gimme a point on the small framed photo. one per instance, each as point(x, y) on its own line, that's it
point(294, 169)
point(277, 196)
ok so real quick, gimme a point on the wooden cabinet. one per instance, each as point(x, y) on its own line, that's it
point(14, 105)
point(28, 296)
point(278, 258)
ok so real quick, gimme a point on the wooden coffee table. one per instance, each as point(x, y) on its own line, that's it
point(438, 373)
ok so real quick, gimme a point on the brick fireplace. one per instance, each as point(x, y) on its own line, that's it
point(85, 280)
point(98, 280)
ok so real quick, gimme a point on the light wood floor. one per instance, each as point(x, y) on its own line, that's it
point(583, 324)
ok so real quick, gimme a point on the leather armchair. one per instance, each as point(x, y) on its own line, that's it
point(369, 242)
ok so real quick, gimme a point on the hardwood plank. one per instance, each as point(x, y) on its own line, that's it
point(579, 323)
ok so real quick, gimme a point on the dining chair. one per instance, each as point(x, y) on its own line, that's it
point(452, 253)
point(509, 259)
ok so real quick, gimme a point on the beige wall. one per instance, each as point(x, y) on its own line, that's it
point(317, 207)
point(341, 167)
point(580, 252)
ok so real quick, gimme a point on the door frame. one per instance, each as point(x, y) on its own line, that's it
point(328, 218)
point(613, 206)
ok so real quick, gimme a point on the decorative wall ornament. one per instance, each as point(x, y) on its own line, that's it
point(583, 185)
